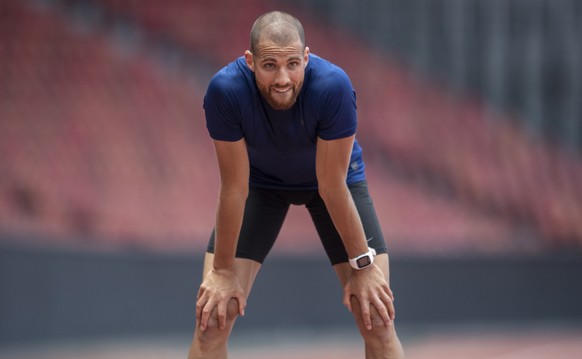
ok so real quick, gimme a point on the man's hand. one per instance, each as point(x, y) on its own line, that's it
point(369, 286)
point(217, 289)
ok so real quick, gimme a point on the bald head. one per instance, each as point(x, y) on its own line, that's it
point(278, 27)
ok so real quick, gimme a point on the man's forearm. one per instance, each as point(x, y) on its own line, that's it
point(344, 214)
point(229, 217)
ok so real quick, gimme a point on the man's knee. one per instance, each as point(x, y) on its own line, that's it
point(380, 330)
point(382, 337)
point(212, 341)
point(213, 331)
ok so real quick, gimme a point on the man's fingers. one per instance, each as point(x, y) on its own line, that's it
point(376, 310)
point(383, 309)
point(348, 300)
point(390, 293)
point(204, 307)
point(200, 303)
point(217, 311)
point(365, 308)
point(242, 303)
point(205, 315)
point(388, 304)
point(391, 311)
point(221, 313)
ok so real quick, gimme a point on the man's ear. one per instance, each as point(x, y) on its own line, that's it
point(306, 55)
point(249, 60)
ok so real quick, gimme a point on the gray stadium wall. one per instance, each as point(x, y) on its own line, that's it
point(48, 294)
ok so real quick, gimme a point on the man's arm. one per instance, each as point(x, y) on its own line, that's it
point(233, 164)
point(332, 166)
point(369, 286)
point(221, 284)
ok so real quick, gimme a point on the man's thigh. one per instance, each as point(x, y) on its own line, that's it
point(264, 214)
point(329, 235)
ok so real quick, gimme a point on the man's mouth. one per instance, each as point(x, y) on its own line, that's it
point(282, 89)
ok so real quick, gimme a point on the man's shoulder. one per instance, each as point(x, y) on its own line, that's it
point(324, 75)
point(233, 77)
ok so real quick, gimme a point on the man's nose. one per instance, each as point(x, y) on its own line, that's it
point(282, 77)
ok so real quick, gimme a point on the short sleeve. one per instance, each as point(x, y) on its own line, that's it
point(338, 111)
point(223, 119)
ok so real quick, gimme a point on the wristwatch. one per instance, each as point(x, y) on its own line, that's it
point(363, 260)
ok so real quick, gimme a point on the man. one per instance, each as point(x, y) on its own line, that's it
point(283, 123)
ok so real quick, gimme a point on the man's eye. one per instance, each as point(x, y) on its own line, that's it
point(269, 66)
point(293, 64)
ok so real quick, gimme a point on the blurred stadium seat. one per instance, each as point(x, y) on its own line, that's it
point(104, 145)
point(101, 145)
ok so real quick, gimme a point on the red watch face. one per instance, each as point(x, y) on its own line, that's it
point(364, 262)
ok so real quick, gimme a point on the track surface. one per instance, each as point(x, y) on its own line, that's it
point(445, 343)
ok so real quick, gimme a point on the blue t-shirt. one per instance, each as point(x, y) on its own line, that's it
point(282, 144)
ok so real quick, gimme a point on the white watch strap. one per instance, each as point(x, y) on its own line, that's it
point(370, 254)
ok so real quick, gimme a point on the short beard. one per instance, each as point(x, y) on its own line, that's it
point(266, 93)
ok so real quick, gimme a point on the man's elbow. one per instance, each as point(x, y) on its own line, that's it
point(239, 191)
point(330, 191)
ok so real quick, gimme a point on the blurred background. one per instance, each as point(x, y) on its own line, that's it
point(470, 116)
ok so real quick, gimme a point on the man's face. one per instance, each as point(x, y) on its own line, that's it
point(279, 72)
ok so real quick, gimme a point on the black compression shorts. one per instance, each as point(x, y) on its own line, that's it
point(265, 211)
